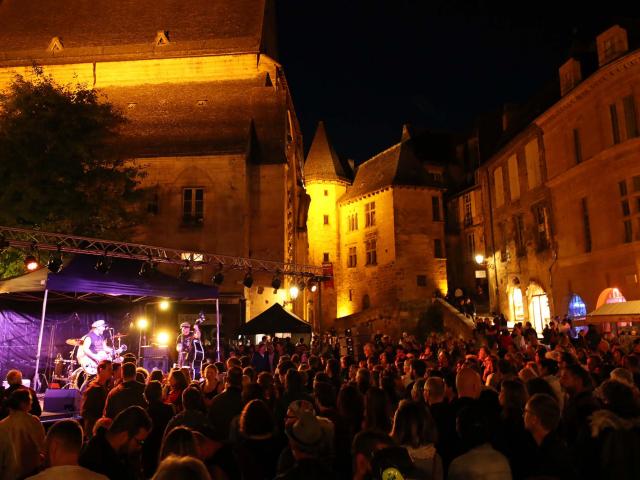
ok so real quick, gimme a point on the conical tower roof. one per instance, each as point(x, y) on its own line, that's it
point(322, 161)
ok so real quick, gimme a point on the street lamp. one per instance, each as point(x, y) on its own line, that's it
point(479, 258)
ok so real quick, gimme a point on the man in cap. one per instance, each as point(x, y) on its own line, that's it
point(306, 436)
point(93, 345)
point(185, 343)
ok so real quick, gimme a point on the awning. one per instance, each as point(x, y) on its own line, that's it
point(616, 312)
point(275, 320)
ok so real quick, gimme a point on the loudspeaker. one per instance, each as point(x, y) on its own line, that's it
point(161, 363)
point(62, 400)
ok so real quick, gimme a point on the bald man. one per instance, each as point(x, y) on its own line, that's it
point(468, 383)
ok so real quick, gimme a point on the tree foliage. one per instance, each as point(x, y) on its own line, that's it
point(60, 164)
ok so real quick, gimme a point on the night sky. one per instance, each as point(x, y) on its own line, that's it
point(365, 68)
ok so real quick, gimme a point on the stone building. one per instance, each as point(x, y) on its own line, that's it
point(211, 120)
point(380, 232)
point(561, 193)
point(465, 241)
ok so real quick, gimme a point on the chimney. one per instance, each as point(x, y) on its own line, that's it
point(570, 75)
point(406, 135)
point(612, 43)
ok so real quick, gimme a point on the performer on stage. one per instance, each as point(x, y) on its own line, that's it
point(185, 343)
point(93, 345)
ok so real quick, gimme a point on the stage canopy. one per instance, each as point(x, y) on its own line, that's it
point(80, 277)
point(275, 320)
point(27, 323)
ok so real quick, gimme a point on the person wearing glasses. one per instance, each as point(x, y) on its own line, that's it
point(114, 452)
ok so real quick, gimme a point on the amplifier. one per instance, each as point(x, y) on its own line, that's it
point(60, 400)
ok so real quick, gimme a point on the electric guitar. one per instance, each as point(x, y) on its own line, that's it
point(89, 365)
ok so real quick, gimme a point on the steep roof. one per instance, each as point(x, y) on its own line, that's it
point(396, 166)
point(98, 28)
point(199, 118)
point(322, 161)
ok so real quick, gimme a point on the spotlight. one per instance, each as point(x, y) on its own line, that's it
point(248, 279)
point(276, 282)
point(163, 305)
point(218, 277)
point(55, 262)
point(185, 271)
point(294, 291)
point(163, 338)
point(148, 268)
point(142, 323)
point(103, 265)
point(312, 285)
point(30, 262)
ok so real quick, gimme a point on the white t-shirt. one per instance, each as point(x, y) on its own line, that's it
point(68, 472)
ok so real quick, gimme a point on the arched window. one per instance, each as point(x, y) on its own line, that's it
point(577, 307)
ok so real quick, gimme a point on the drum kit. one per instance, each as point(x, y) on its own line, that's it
point(68, 371)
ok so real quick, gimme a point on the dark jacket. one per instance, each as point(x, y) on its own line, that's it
point(160, 414)
point(551, 460)
point(308, 469)
point(125, 395)
point(223, 408)
point(612, 451)
point(192, 419)
point(35, 404)
point(99, 456)
point(577, 410)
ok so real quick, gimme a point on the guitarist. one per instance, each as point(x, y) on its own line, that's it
point(93, 344)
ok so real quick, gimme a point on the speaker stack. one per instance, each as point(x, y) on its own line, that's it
point(155, 358)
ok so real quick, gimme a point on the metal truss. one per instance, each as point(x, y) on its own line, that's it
point(29, 239)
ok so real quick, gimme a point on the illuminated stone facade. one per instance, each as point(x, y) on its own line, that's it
point(561, 198)
point(382, 233)
point(211, 120)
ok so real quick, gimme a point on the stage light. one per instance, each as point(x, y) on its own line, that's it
point(479, 258)
point(248, 279)
point(55, 262)
point(31, 263)
point(103, 265)
point(218, 277)
point(142, 323)
point(163, 339)
point(312, 285)
point(276, 282)
point(294, 291)
point(147, 269)
point(163, 305)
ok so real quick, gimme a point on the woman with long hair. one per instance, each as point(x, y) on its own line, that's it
point(415, 429)
point(258, 447)
point(176, 384)
point(377, 411)
point(180, 442)
point(211, 386)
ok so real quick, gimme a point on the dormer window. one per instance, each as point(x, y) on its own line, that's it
point(612, 44)
point(55, 45)
point(162, 38)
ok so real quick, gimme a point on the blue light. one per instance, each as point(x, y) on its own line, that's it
point(577, 307)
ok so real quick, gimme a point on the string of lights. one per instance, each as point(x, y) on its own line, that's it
point(33, 241)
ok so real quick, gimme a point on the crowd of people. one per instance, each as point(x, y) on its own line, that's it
point(498, 406)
